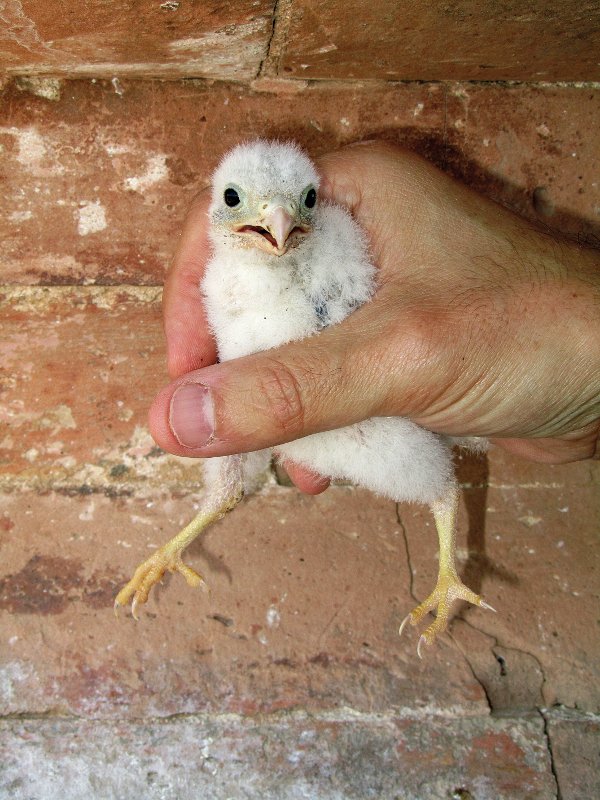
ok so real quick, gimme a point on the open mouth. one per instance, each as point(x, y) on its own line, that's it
point(262, 231)
point(258, 230)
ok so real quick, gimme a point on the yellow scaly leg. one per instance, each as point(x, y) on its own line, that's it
point(221, 499)
point(449, 586)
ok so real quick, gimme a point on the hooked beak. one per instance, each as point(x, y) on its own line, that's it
point(280, 223)
point(275, 229)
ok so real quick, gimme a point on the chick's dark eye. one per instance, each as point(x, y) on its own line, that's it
point(231, 197)
point(311, 198)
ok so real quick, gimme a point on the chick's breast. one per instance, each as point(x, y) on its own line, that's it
point(253, 303)
point(256, 301)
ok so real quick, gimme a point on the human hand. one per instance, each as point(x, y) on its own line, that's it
point(482, 325)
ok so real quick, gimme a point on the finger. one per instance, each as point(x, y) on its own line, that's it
point(190, 344)
point(320, 383)
point(307, 481)
point(354, 177)
point(559, 450)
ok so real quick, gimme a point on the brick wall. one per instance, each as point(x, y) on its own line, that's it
point(290, 675)
point(305, 39)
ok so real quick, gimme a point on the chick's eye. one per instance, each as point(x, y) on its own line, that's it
point(231, 197)
point(311, 198)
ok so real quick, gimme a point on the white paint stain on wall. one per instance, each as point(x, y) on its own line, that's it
point(30, 145)
point(273, 617)
point(116, 148)
point(19, 216)
point(13, 674)
point(91, 218)
point(87, 515)
point(227, 38)
point(156, 170)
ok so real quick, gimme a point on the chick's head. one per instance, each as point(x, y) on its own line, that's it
point(264, 195)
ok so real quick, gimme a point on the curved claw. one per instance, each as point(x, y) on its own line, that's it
point(403, 623)
point(448, 589)
point(150, 573)
point(134, 604)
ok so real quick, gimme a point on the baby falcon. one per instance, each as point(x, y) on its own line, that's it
point(283, 267)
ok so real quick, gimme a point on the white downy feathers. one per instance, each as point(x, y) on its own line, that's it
point(257, 299)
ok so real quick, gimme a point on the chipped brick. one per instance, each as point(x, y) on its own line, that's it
point(424, 41)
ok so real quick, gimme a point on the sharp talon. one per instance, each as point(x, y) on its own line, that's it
point(134, 609)
point(487, 606)
point(168, 558)
point(403, 624)
point(421, 640)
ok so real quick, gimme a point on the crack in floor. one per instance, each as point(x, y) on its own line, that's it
point(493, 649)
point(548, 738)
point(476, 677)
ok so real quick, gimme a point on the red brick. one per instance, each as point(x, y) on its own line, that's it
point(97, 184)
point(334, 570)
point(528, 544)
point(220, 40)
point(80, 367)
point(306, 598)
point(522, 41)
point(348, 40)
point(533, 151)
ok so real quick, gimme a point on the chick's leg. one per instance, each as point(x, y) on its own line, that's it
point(222, 496)
point(449, 586)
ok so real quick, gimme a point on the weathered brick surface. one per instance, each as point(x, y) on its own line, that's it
point(306, 598)
point(349, 40)
point(443, 41)
point(575, 742)
point(80, 367)
point(220, 40)
point(530, 545)
point(305, 602)
point(291, 669)
point(96, 183)
point(343, 757)
point(532, 150)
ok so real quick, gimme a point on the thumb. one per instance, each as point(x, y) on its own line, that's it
point(335, 378)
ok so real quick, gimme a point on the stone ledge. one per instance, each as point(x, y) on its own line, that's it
point(282, 758)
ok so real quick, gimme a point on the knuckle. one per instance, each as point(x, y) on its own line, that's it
point(283, 394)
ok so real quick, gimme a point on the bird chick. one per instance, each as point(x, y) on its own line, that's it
point(284, 266)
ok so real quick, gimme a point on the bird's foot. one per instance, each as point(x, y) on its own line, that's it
point(449, 588)
point(151, 571)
